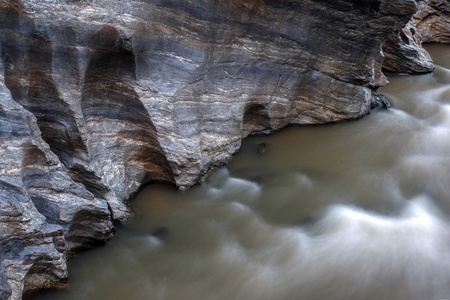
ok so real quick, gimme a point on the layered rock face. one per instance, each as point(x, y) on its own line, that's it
point(430, 24)
point(100, 97)
point(432, 21)
point(44, 215)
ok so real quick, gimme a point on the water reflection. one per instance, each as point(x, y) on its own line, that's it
point(350, 211)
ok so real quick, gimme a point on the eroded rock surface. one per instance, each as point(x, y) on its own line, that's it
point(404, 53)
point(403, 50)
point(99, 97)
point(432, 21)
point(44, 215)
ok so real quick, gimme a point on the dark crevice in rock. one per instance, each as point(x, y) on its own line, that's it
point(404, 37)
point(112, 109)
point(165, 184)
point(89, 179)
point(256, 119)
point(84, 235)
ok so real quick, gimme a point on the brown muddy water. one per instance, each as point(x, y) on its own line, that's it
point(353, 211)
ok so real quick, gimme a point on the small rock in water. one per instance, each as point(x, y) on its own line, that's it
point(262, 148)
point(379, 101)
point(161, 233)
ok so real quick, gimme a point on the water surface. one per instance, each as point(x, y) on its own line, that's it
point(352, 211)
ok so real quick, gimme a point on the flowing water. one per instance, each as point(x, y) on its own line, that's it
point(353, 211)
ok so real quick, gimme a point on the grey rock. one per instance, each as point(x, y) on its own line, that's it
point(40, 208)
point(186, 76)
point(404, 53)
point(100, 97)
point(5, 289)
point(430, 24)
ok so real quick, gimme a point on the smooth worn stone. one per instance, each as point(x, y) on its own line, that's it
point(101, 97)
point(40, 207)
point(404, 53)
point(430, 24)
point(170, 88)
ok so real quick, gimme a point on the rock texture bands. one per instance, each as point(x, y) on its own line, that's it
point(98, 98)
point(403, 50)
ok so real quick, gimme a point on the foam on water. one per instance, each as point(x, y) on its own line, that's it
point(222, 186)
point(349, 253)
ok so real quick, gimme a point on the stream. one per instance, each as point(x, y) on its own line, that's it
point(350, 211)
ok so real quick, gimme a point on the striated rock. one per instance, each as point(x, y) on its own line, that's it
point(100, 97)
point(44, 215)
point(404, 53)
point(403, 50)
point(79, 114)
point(5, 289)
point(187, 76)
point(432, 21)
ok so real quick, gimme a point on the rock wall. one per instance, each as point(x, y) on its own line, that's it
point(403, 50)
point(45, 216)
point(432, 21)
point(100, 97)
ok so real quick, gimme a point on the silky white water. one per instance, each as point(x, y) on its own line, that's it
point(354, 211)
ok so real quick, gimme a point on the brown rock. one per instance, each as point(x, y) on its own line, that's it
point(404, 53)
point(403, 50)
point(432, 21)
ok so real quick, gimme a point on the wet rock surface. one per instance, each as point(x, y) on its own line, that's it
point(40, 208)
point(403, 50)
point(432, 21)
point(100, 97)
point(404, 53)
point(186, 78)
